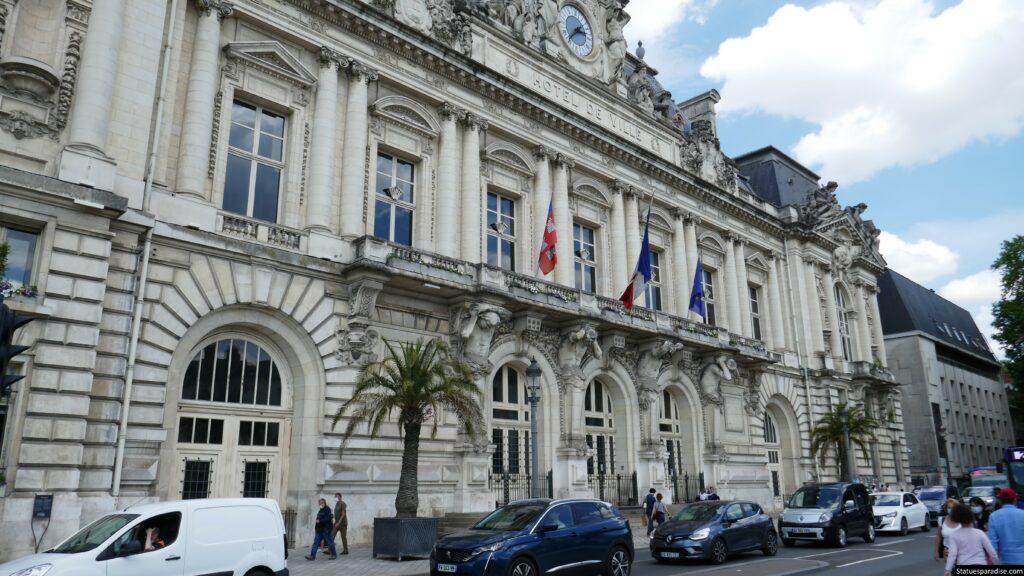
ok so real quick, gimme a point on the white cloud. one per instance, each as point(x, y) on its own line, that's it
point(978, 288)
point(651, 19)
point(888, 83)
point(920, 260)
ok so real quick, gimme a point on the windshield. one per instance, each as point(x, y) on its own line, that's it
point(511, 517)
point(990, 480)
point(700, 511)
point(886, 500)
point(94, 534)
point(980, 491)
point(814, 498)
point(932, 495)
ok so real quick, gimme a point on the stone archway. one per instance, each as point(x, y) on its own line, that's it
point(782, 442)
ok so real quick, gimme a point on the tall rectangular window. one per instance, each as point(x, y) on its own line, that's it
point(252, 183)
point(196, 481)
point(501, 232)
point(755, 313)
point(255, 479)
point(393, 209)
point(654, 287)
point(21, 258)
point(583, 245)
point(709, 296)
point(844, 324)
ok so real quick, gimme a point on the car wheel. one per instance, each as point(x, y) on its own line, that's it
point(840, 539)
point(869, 536)
point(904, 527)
point(618, 562)
point(927, 526)
point(771, 544)
point(788, 542)
point(719, 552)
point(522, 567)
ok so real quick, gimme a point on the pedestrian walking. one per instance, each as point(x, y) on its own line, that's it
point(340, 522)
point(649, 502)
point(1006, 528)
point(980, 512)
point(968, 546)
point(660, 511)
point(324, 522)
point(947, 526)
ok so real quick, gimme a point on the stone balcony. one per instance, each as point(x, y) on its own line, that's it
point(261, 231)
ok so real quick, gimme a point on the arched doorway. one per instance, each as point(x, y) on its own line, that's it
point(512, 465)
point(609, 467)
point(232, 428)
point(675, 425)
point(781, 443)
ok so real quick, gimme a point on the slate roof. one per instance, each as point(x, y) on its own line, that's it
point(906, 306)
point(776, 178)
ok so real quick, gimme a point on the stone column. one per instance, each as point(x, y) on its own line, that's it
point(863, 331)
point(682, 267)
point(353, 178)
point(448, 181)
point(876, 325)
point(323, 148)
point(85, 160)
point(732, 303)
point(746, 326)
point(541, 202)
point(816, 343)
point(194, 150)
point(472, 220)
point(617, 234)
point(778, 320)
point(692, 253)
point(834, 340)
point(631, 214)
point(564, 271)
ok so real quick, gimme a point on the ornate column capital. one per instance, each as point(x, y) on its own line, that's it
point(773, 255)
point(543, 153)
point(619, 187)
point(810, 261)
point(219, 8)
point(679, 214)
point(361, 72)
point(450, 112)
point(563, 160)
point(330, 58)
point(692, 219)
point(473, 122)
point(730, 237)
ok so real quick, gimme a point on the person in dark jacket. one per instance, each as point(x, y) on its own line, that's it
point(649, 510)
point(712, 495)
point(324, 523)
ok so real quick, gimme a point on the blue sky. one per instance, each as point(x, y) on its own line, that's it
point(915, 107)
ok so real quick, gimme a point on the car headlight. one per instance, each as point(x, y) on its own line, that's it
point(890, 515)
point(489, 548)
point(825, 517)
point(34, 571)
point(701, 534)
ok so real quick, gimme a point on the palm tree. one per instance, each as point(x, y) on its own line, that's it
point(414, 382)
point(828, 435)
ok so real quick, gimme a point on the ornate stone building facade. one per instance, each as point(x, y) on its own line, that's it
point(228, 207)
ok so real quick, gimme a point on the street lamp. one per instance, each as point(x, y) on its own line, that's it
point(844, 414)
point(533, 374)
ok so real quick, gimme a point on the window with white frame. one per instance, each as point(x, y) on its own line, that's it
point(395, 195)
point(501, 231)
point(22, 244)
point(654, 301)
point(600, 428)
point(755, 312)
point(252, 182)
point(844, 324)
point(708, 279)
point(583, 244)
point(510, 431)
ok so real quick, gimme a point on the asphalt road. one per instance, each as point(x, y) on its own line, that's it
point(909, 555)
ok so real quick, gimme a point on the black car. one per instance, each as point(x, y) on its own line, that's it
point(828, 513)
point(574, 537)
point(935, 497)
point(712, 530)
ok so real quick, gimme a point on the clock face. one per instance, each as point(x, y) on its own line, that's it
point(576, 30)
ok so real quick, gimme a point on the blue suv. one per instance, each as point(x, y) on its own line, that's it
point(573, 537)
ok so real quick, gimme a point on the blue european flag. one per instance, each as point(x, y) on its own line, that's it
point(697, 294)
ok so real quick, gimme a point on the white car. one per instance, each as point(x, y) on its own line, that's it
point(899, 512)
point(241, 536)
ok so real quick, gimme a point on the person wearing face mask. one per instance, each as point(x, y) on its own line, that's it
point(947, 526)
point(980, 513)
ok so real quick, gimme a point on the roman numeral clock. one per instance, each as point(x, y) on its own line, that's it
point(576, 30)
point(581, 24)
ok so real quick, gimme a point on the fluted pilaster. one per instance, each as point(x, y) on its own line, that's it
point(353, 187)
point(448, 180)
point(564, 271)
point(617, 233)
point(323, 148)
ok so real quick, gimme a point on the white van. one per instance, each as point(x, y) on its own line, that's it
point(236, 536)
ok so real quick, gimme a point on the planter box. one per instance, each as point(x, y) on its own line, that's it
point(404, 537)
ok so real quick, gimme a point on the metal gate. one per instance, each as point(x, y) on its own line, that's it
point(511, 487)
point(687, 488)
point(619, 489)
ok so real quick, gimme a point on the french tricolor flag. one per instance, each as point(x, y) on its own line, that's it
point(642, 273)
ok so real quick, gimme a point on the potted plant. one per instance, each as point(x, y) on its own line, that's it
point(413, 382)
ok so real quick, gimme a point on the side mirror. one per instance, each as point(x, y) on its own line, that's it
point(848, 504)
point(548, 528)
point(129, 548)
point(907, 504)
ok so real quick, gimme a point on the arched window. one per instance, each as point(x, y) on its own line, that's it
point(844, 324)
point(600, 428)
point(234, 371)
point(770, 435)
point(510, 430)
point(771, 439)
point(670, 426)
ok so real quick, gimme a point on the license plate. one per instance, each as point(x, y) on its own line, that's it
point(800, 530)
point(447, 568)
point(670, 554)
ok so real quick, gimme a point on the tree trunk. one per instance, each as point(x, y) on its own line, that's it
point(408, 501)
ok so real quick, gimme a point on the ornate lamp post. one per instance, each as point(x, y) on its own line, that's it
point(533, 374)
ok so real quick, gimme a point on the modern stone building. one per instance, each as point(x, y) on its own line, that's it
point(227, 207)
point(955, 404)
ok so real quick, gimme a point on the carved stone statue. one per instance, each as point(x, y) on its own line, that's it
point(713, 375)
point(479, 322)
point(638, 89)
point(649, 365)
point(572, 351)
point(415, 13)
point(356, 347)
point(615, 19)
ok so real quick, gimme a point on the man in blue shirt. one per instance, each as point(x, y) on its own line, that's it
point(1006, 528)
point(649, 510)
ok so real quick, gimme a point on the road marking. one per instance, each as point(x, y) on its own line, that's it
point(822, 554)
point(895, 542)
point(894, 553)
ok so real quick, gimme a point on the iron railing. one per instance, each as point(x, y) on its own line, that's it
point(619, 489)
point(289, 526)
point(687, 488)
point(511, 487)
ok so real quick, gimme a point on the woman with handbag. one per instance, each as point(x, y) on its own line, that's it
point(947, 526)
point(660, 514)
point(968, 546)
